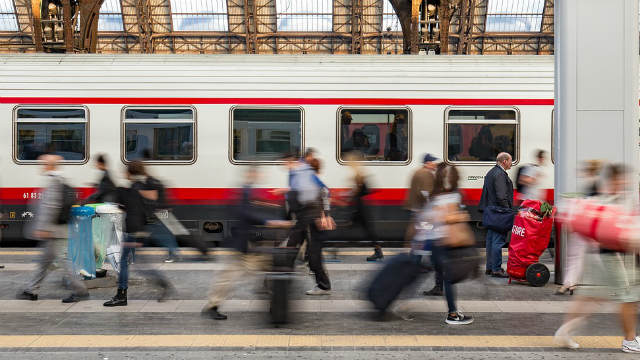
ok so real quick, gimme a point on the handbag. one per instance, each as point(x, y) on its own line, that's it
point(460, 263)
point(458, 235)
point(498, 218)
point(325, 223)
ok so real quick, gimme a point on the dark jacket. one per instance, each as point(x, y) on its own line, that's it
point(134, 206)
point(497, 189)
point(248, 219)
point(105, 192)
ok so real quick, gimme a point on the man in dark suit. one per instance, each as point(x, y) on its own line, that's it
point(497, 191)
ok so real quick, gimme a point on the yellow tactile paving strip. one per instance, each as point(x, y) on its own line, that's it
point(295, 341)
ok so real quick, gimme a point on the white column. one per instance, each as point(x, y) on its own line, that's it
point(596, 89)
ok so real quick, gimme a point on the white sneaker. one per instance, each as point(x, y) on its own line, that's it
point(459, 319)
point(563, 339)
point(632, 346)
point(318, 291)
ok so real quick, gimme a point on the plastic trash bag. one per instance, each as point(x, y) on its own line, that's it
point(80, 245)
point(110, 222)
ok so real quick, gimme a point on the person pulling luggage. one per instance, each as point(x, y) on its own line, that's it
point(447, 229)
point(244, 260)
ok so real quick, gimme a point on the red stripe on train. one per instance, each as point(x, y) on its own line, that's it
point(221, 196)
point(267, 101)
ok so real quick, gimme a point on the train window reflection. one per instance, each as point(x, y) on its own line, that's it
point(61, 131)
point(479, 135)
point(375, 134)
point(265, 134)
point(159, 134)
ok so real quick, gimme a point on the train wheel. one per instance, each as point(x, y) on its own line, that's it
point(537, 275)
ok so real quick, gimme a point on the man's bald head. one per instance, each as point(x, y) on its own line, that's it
point(50, 162)
point(504, 159)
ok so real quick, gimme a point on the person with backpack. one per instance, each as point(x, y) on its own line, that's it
point(306, 193)
point(137, 201)
point(50, 227)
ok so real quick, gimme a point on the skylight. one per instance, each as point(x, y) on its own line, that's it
point(199, 15)
point(305, 15)
point(389, 18)
point(514, 15)
point(8, 21)
point(110, 18)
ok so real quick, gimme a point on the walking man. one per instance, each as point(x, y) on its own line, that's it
point(48, 229)
point(497, 191)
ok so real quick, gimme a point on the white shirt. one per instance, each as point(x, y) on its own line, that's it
point(533, 191)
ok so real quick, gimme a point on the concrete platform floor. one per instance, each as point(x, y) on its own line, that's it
point(511, 321)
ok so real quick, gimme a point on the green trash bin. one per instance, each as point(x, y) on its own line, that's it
point(99, 246)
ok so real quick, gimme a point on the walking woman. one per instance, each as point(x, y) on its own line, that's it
point(577, 246)
point(361, 212)
point(442, 212)
point(609, 275)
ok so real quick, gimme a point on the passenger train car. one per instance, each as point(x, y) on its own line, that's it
point(200, 120)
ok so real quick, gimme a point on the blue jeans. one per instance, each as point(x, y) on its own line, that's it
point(123, 277)
point(495, 242)
point(438, 254)
point(163, 236)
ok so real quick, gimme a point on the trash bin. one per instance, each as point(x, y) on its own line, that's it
point(96, 230)
point(80, 246)
point(108, 234)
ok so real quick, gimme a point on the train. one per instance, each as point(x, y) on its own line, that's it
point(199, 120)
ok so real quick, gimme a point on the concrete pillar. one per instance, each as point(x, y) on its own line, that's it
point(596, 91)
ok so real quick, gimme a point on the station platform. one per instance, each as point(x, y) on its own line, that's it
point(513, 321)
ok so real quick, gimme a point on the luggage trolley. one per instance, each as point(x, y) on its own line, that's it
point(530, 237)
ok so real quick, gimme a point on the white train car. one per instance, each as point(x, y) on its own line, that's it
point(199, 120)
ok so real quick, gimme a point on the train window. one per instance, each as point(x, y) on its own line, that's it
point(265, 134)
point(162, 135)
point(479, 135)
point(377, 135)
point(59, 130)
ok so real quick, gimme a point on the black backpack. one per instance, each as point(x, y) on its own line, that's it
point(519, 186)
point(69, 198)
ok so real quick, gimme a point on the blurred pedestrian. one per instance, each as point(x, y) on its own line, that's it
point(608, 275)
point(442, 212)
point(529, 178)
point(497, 191)
point(420, 189)
point(577, 246)
point(245, 259)
point(305, 192)
point(138, 203)
point(160, 209)
point(421, 184)
point(105, 189)
point(361, 214)
point(51, 230)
